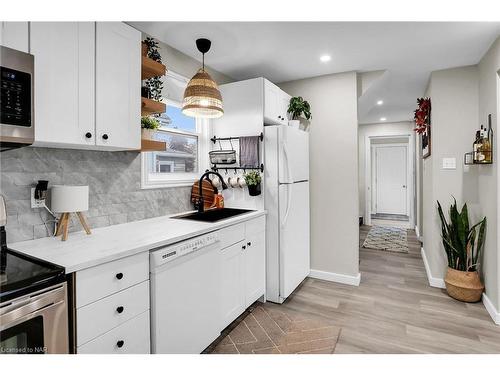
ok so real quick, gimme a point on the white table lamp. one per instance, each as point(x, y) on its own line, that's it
point(66, 199)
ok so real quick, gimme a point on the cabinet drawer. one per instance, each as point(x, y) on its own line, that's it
point(230, 235)
point(99, 317)
point(255, 226)
point(97, 282)
point(132, 337)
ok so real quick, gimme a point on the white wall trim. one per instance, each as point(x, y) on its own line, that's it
point(336, 277)
point(417, 232)
point(495, 315)
point(433, 281)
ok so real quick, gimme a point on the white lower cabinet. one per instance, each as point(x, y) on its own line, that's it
point(232, 283)
point(112, 307)
point(243, 272)
point(132, 337)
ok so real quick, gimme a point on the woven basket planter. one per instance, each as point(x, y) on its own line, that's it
point(464, 286)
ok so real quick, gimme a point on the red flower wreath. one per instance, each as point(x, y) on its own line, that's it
point(422, 115)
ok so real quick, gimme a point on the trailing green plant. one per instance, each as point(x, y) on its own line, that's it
point(462, 244)
point(299, 106)
point(253, 178)
point(155, 84)
point(148, 122)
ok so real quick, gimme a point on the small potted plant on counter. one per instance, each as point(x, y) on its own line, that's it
point(253, 180)
point(463, 245)
point(148, 127)
point(298, 107)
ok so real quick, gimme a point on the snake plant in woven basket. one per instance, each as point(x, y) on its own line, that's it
point(463, 244)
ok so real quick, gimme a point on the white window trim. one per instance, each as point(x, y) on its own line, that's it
point(150, 181)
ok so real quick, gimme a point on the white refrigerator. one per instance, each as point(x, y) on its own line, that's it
point(287, 203)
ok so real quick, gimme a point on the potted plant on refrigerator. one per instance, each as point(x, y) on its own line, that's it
point(148, 127)
point(463, 246)
point(298, 107)
point(253, 180)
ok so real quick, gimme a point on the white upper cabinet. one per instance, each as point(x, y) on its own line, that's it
point(64, 83)
point(15, 35)
point(118, 86)
point(275, 104)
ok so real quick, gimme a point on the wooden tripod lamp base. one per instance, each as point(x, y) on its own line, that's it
point(66, 200)
point(63, 224)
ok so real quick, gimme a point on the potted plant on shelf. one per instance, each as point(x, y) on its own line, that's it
point(298, 107)
point(253, 180)
point(148, 127)
point(463, 246)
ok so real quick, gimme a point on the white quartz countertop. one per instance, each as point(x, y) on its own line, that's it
point(110, 243)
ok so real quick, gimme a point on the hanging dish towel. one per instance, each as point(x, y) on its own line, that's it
point(249, 151)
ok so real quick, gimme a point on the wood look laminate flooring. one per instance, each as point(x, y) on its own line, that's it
point(393, 310)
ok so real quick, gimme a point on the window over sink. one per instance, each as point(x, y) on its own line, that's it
point(186, 138)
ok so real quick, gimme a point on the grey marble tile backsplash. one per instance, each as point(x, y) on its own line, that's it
point(114, 180)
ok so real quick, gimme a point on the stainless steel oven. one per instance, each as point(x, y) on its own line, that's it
point(17, 125)
point(36, 323)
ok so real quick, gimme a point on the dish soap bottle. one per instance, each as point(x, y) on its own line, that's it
point(219, 201)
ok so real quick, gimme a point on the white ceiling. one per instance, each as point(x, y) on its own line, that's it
point(283, 51)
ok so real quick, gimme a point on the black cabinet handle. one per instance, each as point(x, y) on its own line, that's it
point(119, 276)
point(249, 243)
point(88, 135)
point(105, 136)
point(119, 309)
point(120, 343)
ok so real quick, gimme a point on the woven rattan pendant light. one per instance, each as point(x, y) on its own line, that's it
point(202, 97)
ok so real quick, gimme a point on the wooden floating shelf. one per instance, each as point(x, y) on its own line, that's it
point(152, 145)
point(151, 68)
point(150, 107)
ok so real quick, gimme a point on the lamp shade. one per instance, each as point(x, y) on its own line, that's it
point(202, 97)
point(66, 198)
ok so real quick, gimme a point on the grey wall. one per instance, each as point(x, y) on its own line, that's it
point(454, 94)
point(333, 170)
point(114, 180)
point(462, 98)
point(488, 184)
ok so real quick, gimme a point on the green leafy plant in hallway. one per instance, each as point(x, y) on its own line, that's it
point(463, 244)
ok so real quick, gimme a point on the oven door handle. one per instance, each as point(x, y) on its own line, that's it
point(31, 305)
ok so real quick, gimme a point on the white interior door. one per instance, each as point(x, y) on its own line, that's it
point(294, 236)
point(391, 180)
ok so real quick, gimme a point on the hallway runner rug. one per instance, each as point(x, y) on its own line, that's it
point(387, 239)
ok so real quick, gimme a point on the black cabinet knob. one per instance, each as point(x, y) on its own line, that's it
point(249, 243)
point(119, 309)
point(120, 343)
point(243, 247)
point(88, 135)
point(105, 136)
point(119, 276)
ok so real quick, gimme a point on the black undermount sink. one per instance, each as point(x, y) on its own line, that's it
point(213, 215)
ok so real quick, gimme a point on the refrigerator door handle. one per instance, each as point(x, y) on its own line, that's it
point(288, 169)
point(288, 204)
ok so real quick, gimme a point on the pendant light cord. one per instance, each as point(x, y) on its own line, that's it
point(203, 61)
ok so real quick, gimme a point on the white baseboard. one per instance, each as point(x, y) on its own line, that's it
point(417, 232)
point(336, 277)
point(495, 315)
point(433, 281)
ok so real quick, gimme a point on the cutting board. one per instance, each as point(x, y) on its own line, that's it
point(209, 193)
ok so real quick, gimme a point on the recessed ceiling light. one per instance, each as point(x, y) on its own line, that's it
point(380, 102)
point(325, 58)
point(383, 118)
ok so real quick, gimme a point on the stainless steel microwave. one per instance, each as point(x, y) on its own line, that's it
point(17, 123)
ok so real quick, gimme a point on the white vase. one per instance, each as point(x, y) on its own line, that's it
point(147, 133)
point(294, 123)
